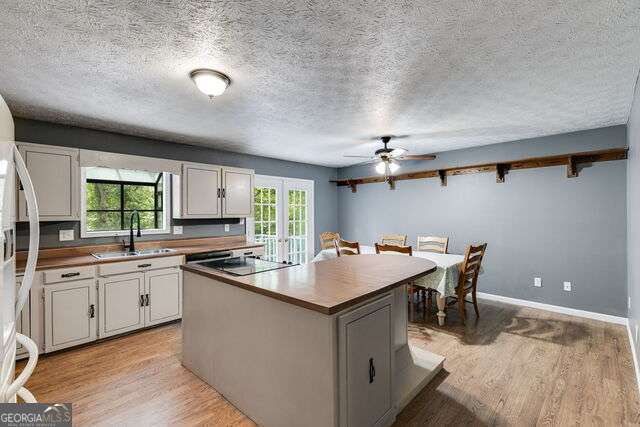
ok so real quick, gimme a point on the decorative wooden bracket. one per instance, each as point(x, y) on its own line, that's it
point(572, 161)
point(442, 174)
point(354, 188)
point(501, 171)
point(572, 167)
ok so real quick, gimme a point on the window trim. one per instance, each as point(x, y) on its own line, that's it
point(166, 226)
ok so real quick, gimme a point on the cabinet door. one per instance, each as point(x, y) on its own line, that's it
point(367, 366)
point(70, 310)
point(164, 300)
point(201, 191)
point(121, 302)
point(54, 173)
point(23, 323)
point(237, 195)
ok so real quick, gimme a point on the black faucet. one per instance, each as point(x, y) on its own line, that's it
point(132, 245)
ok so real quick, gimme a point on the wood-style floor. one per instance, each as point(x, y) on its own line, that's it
point(515, 366)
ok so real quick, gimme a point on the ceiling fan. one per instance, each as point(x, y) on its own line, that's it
point(387, 158)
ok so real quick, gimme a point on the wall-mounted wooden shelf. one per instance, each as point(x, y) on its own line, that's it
point(571, 161)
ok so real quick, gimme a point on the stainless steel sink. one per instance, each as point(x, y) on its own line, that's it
point(127, 254)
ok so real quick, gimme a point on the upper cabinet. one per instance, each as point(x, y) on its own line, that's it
point(54, 172)
point(208, 191)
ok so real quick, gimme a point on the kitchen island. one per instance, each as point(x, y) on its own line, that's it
point(321, 344)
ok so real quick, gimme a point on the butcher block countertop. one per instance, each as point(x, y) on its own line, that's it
point(328, 286)
point(81, 255)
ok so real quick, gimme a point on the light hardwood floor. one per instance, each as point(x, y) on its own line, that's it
point(515, 366)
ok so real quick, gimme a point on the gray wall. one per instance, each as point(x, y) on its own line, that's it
point(537, 224)
point(69, 136)
point(633, 216)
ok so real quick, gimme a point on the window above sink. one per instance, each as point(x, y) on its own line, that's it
point(110, 196)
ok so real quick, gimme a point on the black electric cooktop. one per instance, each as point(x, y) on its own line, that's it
point(243, 266)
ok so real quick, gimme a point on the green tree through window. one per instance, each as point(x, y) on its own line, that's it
point(110, 203)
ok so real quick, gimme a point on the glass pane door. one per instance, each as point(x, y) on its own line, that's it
point(297, 226)
point(266, 221)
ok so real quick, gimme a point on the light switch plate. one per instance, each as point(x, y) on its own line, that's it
point(567, 286)
point(226, 227)
point(537, 282)
point(66, 235)
point(177, 229)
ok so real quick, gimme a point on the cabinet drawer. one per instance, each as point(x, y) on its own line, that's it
point(69, 274)
point(139, 265)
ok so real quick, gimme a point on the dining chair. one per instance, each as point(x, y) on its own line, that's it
point(468, 280)
point(394, 239)
point(345, 247)
point(327, 239)
point(412, 289)
point(432, 244)
point(382, 247)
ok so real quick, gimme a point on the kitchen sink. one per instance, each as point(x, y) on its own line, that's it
point(127, 254)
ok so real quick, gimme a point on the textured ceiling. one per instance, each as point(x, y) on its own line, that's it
point(312, 80)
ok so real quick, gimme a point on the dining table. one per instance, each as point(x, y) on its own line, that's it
point(444, 280)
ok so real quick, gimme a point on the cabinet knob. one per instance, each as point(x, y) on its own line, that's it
point(372, 370)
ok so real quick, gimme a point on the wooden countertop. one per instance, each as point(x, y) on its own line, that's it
point(328, 286)
point(81, 255)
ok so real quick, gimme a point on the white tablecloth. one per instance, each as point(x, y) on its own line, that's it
point(444, 279)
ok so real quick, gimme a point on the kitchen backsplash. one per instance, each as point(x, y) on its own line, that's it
point(50, 232)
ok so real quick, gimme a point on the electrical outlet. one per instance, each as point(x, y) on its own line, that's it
point(226, 227)
point(177, 229)
point(65, 235)
point(537, 282)
point(567, 286)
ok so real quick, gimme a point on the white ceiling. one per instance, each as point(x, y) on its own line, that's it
point(313, 80)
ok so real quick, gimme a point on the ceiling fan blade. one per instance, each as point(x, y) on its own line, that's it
point(360, 157)
point(417, 157)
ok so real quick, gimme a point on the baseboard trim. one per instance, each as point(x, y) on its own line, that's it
point(555, 308)
point(634, 355)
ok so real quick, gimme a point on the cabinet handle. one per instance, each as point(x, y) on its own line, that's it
point(92, 311)
point(372, 370)
point(144, 265)
point(65, 275)
point(218, 193)
point(224, 193)
point(147, 300)
point(141, 300)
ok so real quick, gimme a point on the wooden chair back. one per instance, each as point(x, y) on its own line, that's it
point(394, 239)
point(432, 244)
point(471, 267)
point(345, 247)
point(393, 248)
point(327, 239)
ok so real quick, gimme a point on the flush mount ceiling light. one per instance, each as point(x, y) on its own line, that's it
point(210, 82)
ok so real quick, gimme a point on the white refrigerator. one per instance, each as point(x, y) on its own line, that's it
point(12, 301)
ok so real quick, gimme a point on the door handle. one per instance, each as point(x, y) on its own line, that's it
point(372, 370)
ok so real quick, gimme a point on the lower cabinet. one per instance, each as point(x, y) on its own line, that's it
point(133, 301)
point(122, 303)
point(366, 358)
point(23, 322)
point(70, 314)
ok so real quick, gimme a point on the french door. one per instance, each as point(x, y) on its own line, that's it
point(283, 219)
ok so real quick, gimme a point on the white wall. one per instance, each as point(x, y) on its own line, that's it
point(633, 215)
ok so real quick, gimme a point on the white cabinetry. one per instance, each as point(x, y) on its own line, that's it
point(366, 365)
point(121, 300)
point(164, 295)
point(55, 177)
point(23, 322)
point(70, 313)
point(208, 191)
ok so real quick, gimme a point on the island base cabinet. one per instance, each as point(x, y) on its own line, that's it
point(366, 365)
point(122, 303)
point(70, 314)
point(164, 301)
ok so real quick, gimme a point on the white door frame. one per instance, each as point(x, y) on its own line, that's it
point(282, 229)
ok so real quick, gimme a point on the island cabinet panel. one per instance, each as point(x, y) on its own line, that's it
point(366, 362)
point(122, 303)
point(70, 314)
point(164, 290)
point(54, 172)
